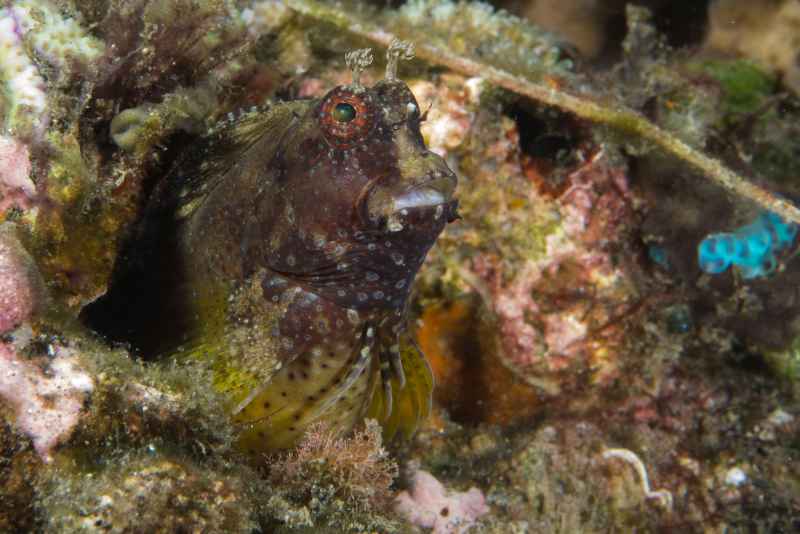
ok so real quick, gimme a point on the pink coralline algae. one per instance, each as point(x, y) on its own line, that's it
point(16, 187)
point(47, 403)
point(430, 505)
point(565, 311)
point(19, 282)
point(46, 399)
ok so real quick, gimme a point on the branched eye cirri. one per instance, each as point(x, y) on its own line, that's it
point(346, 117)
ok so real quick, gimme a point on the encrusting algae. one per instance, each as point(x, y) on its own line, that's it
point(284, 247)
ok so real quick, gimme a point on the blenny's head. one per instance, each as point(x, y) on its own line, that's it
point(362, 197)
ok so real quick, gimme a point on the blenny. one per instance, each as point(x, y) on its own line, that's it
point(292, 239)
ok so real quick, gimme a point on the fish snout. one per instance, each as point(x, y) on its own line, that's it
point(435, 187)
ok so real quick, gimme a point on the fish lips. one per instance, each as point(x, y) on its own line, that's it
point(427, 198)
point(433, 194)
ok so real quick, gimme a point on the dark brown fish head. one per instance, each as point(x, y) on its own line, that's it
point(358, 199)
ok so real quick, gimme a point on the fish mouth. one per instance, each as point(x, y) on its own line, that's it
point(422, 197)
point(427, 198)
point(436, 190)
point(432, 192)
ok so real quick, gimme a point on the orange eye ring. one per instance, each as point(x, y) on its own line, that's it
point(346, 117)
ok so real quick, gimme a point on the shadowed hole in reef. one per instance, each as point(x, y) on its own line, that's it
point(134, 310)
point(548, 141)
point(449, 340)
point(683, 22)
point(472, 384)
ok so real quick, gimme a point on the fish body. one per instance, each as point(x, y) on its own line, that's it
point(293, 239)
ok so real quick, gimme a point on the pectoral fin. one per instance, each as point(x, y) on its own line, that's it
point(405, 406)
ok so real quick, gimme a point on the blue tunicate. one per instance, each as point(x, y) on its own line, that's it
point(658, 255)
point(752, 248)
point(714, 265)
point(711, 261)
point(763, 269)
point(784, 233)
point(757, 241)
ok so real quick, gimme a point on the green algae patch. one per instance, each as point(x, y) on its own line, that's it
point(785, 364)
point(745, 86)
point(75, 232)
point(749, 103)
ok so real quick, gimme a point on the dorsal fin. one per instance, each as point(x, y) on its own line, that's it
point(222, 151)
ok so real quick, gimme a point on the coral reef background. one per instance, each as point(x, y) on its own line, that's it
point(594, 374)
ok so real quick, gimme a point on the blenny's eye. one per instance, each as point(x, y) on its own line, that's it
point(346, 116)
point(343, 112)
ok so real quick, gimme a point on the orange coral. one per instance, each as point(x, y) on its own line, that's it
point(471, 383)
